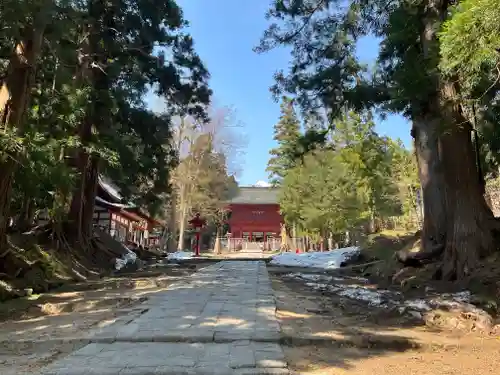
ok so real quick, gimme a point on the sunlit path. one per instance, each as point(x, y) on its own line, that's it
point(221, 321)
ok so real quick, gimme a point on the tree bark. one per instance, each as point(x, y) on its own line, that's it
point(457, 219)
point(471, 226)
point(83, 201)
point(15, 95)
point(217, 245)
point(92, 58)
point(26, 215)
point(182, 224)
point(172, 220)
point(426, 136)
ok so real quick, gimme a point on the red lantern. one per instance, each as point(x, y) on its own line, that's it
point(197, 223)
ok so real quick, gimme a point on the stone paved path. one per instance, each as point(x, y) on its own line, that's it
point(248, 254)
point(220, 322)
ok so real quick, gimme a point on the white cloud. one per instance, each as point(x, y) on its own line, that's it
point(262, 184)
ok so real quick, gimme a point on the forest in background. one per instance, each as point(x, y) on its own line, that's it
point(356, 182)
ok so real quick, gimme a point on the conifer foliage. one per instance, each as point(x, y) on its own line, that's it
point(438, 65)
point(73, 78)
point(286, 134)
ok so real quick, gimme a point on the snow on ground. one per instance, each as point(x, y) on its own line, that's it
point(180, 255)
point(128, 257)
point(320, 259)
point(261, 183)
point(372, 296)
point(385, 298)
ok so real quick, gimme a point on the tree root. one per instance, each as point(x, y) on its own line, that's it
point(5, 253)
point(419, 258)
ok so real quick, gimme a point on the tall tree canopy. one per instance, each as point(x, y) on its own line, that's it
point(358, 179)
point(286, 134)
point(73, 81)
point(408, 78)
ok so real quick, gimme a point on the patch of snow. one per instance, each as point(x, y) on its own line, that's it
point(128, 257)
point(180, 255)
point(374, 297)
point(318, 259)
point(359, 278)
point(384, 298)
point(110, 188)
point(118, 205)
point(261, 183)
point(450, 300)
point(417, 304)
point(313, 277)
point(463, 297)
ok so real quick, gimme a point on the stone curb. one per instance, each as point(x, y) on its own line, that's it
point(361, 341)
point(171, 371)
point(367, 342)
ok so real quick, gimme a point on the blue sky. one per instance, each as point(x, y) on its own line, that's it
point(225, 31)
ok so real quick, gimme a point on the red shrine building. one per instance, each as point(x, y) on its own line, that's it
point(255, 214)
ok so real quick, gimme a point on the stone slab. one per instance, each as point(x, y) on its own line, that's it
point(221, 321)
point(171, 358)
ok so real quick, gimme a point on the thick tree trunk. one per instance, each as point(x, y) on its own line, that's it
point(26, 215)
point(456, 217)
point(426, 136)
point(470, 222)
point(92, 53)
point(15, 94)
point(92, 177)
point(83, 201)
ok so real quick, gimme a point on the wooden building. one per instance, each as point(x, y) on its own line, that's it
point(255, 215)
point(125, 222)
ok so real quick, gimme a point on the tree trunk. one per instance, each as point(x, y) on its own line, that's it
point(217, 246)
point(182, 224)
point(83, 201)
point(172, 220)
point(26, 215)
point(91, 53)
point(15, 95)
point(470, 222)
point(92, 177)
point(426, 136)
point(456, 217)
point(330, 242)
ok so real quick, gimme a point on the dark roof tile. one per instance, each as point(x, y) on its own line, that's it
point(256, 195)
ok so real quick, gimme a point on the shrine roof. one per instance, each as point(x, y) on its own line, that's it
point(256, 195)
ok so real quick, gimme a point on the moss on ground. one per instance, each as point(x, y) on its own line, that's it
point(34, 264)
point(383, 245)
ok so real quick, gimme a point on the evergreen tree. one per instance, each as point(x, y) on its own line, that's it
point(351, 182)
point(286, 134)
point(80, 109)
point(409, 78)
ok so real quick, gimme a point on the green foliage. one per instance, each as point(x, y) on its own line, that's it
point(470, 50)
point(358, 178)
point(319, 196)
point(286, 134)
point(98, 61)
point(210, 184)
point(470, 42)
